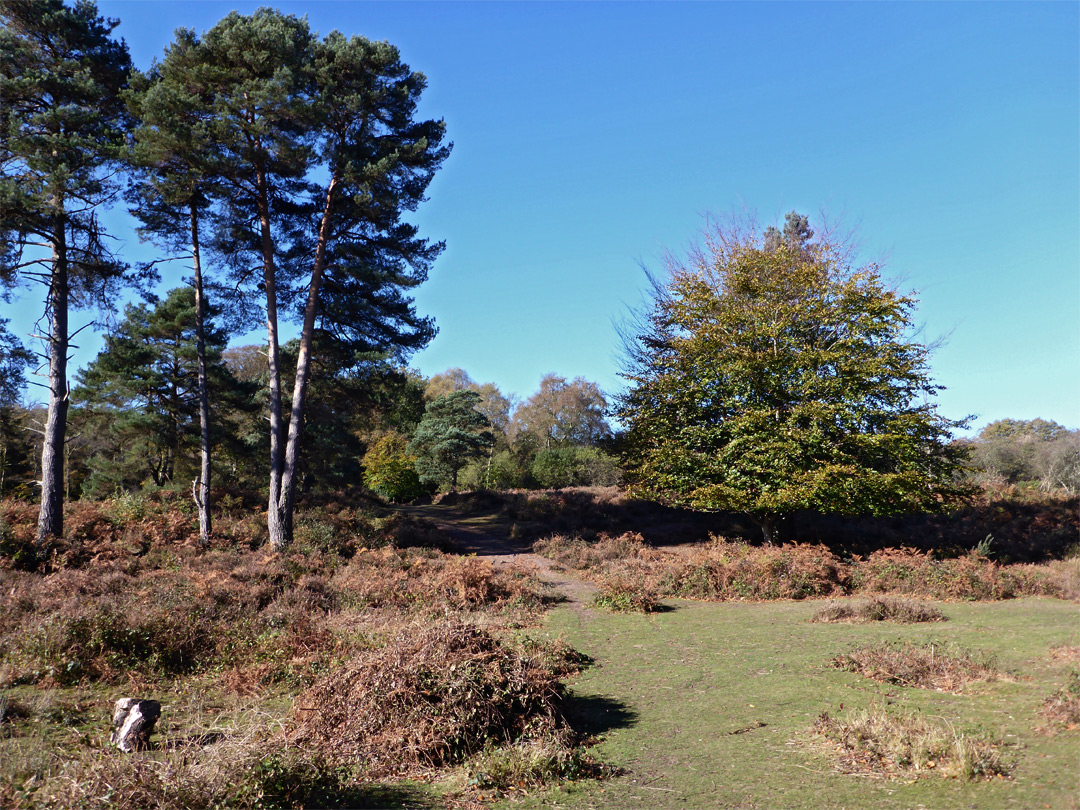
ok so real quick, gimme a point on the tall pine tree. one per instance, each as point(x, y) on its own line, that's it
point(176, 164)
point(62, 124)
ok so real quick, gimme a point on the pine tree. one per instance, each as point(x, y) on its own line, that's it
point(145, 388)
point(451, 433)
point(62, 124)
point(177, 163)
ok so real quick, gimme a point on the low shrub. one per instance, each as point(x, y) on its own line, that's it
point(621, 595)
point(926, 666)
point(878, 742)
point(529, 765)
point(880, 609)
point(435, 695)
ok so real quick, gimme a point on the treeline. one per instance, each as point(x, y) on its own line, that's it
point(134, 420)
point(1026, 453)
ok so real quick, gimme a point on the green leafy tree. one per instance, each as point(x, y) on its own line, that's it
point(390, 470)
point(771, 376)
point(62, 127)
point(451, 433)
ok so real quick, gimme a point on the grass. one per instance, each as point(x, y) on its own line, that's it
point(879, 742)
point(691, 696)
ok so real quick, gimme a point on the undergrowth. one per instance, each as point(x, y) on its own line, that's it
point(722, 570)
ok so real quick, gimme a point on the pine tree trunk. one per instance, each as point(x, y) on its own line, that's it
point(202, 485)
point(279, 528)
point(51, 516)
point(303, 362)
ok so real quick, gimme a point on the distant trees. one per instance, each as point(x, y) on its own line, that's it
point(771, 376)
point(14, 359)
point(62, 129)
point(1017, 451)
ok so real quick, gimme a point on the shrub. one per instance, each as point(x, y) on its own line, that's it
point(530, 764)
point(390, 470)
point(927, 666)
point(623, 595)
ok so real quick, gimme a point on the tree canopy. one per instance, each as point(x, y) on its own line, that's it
point(771, 376)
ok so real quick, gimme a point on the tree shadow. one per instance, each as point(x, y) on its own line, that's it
point(594, 715)
point(378, 796)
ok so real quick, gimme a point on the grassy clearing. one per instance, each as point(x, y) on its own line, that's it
point(714, 705)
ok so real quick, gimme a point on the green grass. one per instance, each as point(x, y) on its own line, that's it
point(713, 705)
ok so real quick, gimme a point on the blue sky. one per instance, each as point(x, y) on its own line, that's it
point(591, 137)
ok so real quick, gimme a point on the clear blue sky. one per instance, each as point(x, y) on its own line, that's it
point(590, 137)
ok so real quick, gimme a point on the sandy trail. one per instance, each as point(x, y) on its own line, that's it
point(485, 537)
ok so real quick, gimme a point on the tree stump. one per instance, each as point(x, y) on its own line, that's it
point(133, 723)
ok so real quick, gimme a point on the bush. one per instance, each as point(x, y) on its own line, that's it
point(390, 470)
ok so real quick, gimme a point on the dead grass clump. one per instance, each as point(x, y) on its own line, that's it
point(1063, 707)
point(435, 695)
point(926, 666)
point(1064, 652)
point(877, 742)
point(880, 609)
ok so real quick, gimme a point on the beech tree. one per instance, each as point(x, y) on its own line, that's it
point(771, 376)
point(62, 125)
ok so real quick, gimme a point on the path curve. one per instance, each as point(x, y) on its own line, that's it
point(502, 550)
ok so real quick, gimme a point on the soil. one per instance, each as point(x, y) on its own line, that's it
point(486, 536)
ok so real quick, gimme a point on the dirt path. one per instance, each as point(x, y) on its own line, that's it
point(489, 537)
